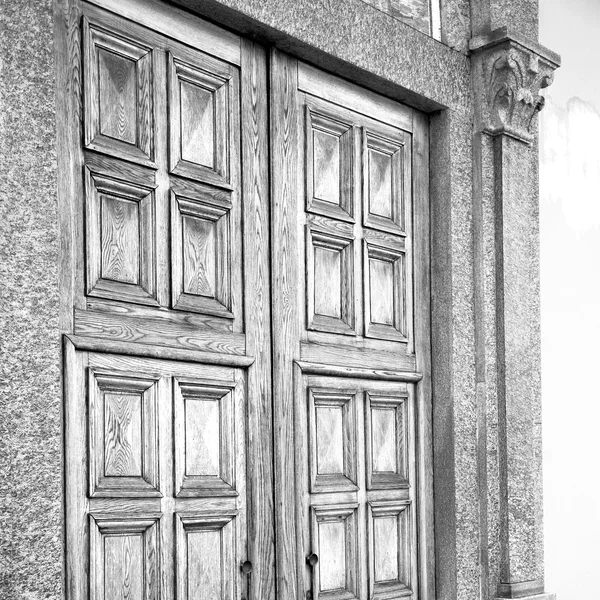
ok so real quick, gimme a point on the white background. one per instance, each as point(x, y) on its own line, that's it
point(570, 265)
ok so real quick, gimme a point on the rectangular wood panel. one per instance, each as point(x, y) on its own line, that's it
point(123, 440)
point(124, 558)
point(207, 438)
point(121, 240)
point(118, 94)
point(205, 557)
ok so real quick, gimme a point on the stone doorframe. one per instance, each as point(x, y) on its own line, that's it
point(482, 99)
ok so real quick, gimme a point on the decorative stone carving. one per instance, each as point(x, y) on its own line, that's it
point(512, 72)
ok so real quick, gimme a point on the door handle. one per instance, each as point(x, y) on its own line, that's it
point(246, 567)
point(312, 559)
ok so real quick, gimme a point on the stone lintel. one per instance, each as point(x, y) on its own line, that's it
point(509, 73)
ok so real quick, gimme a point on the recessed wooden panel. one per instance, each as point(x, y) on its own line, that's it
point(124, 558)
point(387, 437)
point(329, 164)
point(335, 541)
point(121, 240)
point(204, 439)
point(205, 557)
point(201, 253)
point(118, 94)
point(200, 102)
point(390, 555)
point(330, 283)
point(385, 293)
point(383, 194)
point(123, 442)
point(332, 439)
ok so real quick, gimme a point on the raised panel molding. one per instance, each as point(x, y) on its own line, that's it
point(201, 252)
point(330, 282)
point(329, 165)
point(120, 240)
point(335, 540)
point(124, 557)
point(205, 551)
point(332, 439)
point(200, 98)
point(383, 180)
point(205, 440)
point(385, 293)
point(123, 435)
point(387, 441)
point(118, 108)
point(390, 550)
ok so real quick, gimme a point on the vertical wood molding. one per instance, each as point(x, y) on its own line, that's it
point(257, 247)
point(285, 311)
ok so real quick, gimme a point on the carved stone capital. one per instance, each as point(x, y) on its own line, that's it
point(509, 73)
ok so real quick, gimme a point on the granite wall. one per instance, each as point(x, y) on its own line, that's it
point(30, 401)
point(415, 13)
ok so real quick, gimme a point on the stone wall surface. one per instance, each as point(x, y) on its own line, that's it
point(30, 401)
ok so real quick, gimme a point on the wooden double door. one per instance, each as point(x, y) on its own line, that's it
point(246, 358)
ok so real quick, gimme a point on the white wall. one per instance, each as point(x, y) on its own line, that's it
point(570, 253)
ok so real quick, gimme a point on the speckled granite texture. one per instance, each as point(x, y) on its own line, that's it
point(345, 36)
point(30, 404)
point(412, 12)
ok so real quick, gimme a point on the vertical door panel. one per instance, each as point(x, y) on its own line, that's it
point(344, 339)
point(167, 366)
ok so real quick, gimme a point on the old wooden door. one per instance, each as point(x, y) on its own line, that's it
point(350, 334)
point(173, 488)
point(167, 357)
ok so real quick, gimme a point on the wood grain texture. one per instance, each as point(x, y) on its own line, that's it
point(207, 427)
point(348, 95)
point(285, 313)
point(120, 240)
point(178, 24)
point(118, 92)
point(159, 332)
point(257, 294)
point(422, 325)
point(123, 435)
point(124, 557)
point(202, 117)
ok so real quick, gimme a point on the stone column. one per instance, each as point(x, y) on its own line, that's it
point(508, 72)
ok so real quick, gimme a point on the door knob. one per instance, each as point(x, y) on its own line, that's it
point(246, 567)
point(312, 559)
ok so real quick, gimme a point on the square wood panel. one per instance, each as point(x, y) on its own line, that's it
point(390, 556)
point(201, 251)
point(330, 282)
point(120, 240)
point(329, 165)
point(332, 439)
point(123, 440)
point(124, 558)
point(118, 107)
point(205, 550)
point(334, 533)
point(385, 293)
point(200, 102)
point(387, 441)
point(205, 439)
point(383, 180)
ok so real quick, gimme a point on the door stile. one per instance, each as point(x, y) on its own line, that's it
point(285, 273)
point(256, 226)
point(422, 325)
